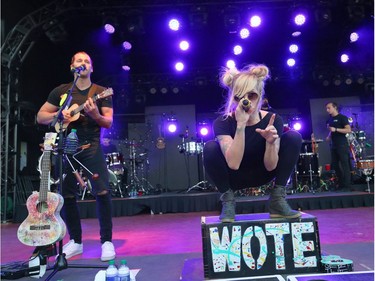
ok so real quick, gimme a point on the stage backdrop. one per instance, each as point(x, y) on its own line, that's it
point(167, 168)
point(363, 120)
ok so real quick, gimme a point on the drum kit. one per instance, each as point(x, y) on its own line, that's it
point(127, 175)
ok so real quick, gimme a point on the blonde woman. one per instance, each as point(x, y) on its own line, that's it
point(250, 148)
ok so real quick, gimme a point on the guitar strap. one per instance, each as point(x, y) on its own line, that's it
point(92, 90)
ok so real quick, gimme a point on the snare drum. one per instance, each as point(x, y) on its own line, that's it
point(308, 162)
point(193, 147)
point(365, 164)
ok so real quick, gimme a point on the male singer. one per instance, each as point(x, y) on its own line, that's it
point(93, 116)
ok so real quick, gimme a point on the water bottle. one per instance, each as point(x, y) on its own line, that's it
point(123, 272)
point(71, 142)
point(111, 271)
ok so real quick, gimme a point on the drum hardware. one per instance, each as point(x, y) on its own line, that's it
point(138, 186)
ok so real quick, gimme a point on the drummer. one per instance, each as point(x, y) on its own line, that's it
point(107, 145)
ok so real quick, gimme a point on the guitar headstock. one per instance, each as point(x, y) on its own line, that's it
point(106, 93)
point(49, 141)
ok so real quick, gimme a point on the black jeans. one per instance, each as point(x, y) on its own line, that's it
point(340, 163)
point(225, 178)
point(93, 159)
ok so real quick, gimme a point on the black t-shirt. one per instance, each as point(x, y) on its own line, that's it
point(255, 144)
point(87, 128)
point(339, 121)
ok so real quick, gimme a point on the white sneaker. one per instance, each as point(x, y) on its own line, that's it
point(72, 248)
point(108, 251)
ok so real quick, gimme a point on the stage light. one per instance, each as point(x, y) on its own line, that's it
point(153, 91)
point(244, 33)
point(203, 128)
point(184, 45)
point(237, 50)
point(296, 124)
point(354, 37)
point(126, 45)
point(174, 24)
point(255, 21)
point(300, 19)
point(110, 23)
point(164, 90)
point(293, 48)
point(291, 62)
point(230, 64)
point(337, 80)
point(171, 124)
point(109, 28)
point(349, 80)
point(179, 66)
point(344, 58)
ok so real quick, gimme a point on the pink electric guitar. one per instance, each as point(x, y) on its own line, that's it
point(43, 226)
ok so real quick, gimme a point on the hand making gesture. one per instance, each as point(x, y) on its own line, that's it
point(270, 132)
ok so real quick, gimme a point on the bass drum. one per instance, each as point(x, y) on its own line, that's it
point(308, 162)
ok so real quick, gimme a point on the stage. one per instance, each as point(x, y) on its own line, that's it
point(207, 201)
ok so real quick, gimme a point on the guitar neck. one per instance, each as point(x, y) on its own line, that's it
point(45, 176)
point(79, 108)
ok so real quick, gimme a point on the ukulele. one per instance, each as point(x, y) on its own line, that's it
point(74, 109)
point(43, 225)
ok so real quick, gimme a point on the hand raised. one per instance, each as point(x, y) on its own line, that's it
point(270, 132)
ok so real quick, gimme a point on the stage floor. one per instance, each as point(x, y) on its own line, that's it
point(164, 246)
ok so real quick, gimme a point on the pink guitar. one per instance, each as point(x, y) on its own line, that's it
point(43, 225)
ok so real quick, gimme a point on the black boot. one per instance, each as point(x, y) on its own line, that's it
point(229, 206)
point(278, 207)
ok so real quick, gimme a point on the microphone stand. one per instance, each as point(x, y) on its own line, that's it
point(61, 262)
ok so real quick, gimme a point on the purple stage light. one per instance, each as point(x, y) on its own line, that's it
point(293, 48)
point(291, 62)
point(244, 33)
point(344, 58)
point(171, 124)
point(184, 45)
point(203, 128)
point(354, 37)
point(237, 50)
point(174, 24)
point(179, 66)
point(230, 64)
point(172, 128)
point(109, 28)
point(300, 19)
point(126, 45)
point(297, 126)
point(255, 21)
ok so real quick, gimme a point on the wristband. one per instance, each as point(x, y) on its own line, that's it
point(336, 130)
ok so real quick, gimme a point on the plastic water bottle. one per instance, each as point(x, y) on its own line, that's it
point(111, 271)
point(123, 272)
point(71, 142)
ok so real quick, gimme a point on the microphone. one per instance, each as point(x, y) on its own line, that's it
point(78, 69)
point(246, 104)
